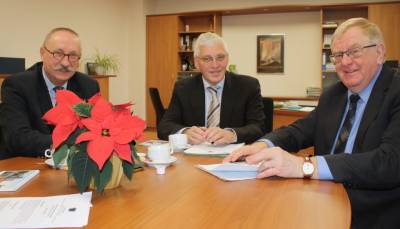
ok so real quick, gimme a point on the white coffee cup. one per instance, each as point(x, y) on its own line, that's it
point(178, 141)
point(48, 153)
point(159, 153)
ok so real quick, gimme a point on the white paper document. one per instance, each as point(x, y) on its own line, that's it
point(231, 171)
point(209, 149)
point(45, 212)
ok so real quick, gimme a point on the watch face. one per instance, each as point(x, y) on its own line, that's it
point(308, 168)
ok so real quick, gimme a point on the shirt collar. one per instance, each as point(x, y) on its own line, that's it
point(49, 84)
point(366, 92)
point(219, 85)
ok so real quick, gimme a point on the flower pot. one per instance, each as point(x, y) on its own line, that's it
point(116, 175)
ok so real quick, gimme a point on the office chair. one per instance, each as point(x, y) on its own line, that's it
point(157, 104)
point(269, 114)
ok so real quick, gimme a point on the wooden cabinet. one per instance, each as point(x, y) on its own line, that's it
point(170, 41)
point(190, 27)
point(331, 17)
point(387, 17)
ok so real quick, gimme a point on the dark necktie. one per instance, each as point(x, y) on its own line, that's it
point(347, 124)
point(56, 88)
point(213, 109)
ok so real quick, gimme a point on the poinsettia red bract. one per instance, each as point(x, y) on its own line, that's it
point(110, 131)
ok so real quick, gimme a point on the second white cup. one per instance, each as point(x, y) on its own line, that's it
point(178, 141)
point(160, 153)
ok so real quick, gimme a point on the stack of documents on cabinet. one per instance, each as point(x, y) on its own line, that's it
point(45, 212)
point(208, 149)
point(231, 171)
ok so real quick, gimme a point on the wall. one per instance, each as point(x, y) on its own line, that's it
point(114, 27)
point(301, 49)
point(175, 6)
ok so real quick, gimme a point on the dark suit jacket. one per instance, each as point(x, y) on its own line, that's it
point(371, 174)
point(25, 99)
point(241, 107)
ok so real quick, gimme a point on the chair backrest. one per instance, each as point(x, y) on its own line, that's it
point(157, 104)
point(269, 114)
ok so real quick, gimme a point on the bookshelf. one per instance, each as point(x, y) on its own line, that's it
point(189, 28)
point(331, 18)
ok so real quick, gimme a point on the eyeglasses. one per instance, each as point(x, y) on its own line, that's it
point(60, 55)
point(352, 53)
point(209, 59)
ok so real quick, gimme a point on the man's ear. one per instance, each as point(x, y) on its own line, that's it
point(381, 53)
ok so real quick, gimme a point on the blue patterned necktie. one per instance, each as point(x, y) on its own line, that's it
point(347, 125)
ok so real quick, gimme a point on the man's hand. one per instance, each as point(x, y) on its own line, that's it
point(196, 135)
point(277, 162)
point(245, 151)
point(218, 136)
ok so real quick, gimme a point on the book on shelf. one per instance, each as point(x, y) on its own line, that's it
point(330, 24)
point(12, 180)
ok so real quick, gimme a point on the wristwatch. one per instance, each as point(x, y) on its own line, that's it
point(308, 167)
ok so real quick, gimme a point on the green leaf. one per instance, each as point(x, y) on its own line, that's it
point(60, 154)
point(83, 109)
point(128, 169)
point(82, 168)
point(72, 137)
point(103, 177)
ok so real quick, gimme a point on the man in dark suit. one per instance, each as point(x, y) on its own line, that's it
point(215, 106)
point(27, 96)
point(355, 130)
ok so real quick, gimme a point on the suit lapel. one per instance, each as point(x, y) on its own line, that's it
point(333, 115)
point(197, 101)
point(42, 92)
point(227, 101)
point(372, 108)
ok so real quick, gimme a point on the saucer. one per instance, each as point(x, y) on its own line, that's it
point(171, 160)
point(160, 166)
point(50, 163)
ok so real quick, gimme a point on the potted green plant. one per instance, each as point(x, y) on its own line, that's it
point(105, 64)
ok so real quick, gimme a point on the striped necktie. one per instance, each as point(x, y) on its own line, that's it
point(213, 109)
point(347, 125)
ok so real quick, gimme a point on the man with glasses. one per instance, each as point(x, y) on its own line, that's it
point(215, 106)
point(355, 131)
point(27, 96)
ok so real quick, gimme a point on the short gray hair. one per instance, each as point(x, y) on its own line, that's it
point(371, 30)
point(208, 39)
point(50, 34)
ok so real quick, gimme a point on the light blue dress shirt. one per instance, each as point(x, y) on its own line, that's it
point(220, 88)
point(324, 172)
point(50, 87)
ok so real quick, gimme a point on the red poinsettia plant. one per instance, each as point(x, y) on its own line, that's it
point(89, 133)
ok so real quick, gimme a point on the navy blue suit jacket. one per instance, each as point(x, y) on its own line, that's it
point(25, 99)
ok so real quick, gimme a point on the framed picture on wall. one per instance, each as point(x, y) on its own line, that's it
point(270, 53)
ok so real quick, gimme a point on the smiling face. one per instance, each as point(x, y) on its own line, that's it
point(64, 42)
point(212, 62)
point(357, 73)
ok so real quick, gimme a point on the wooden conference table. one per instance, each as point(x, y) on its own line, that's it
point(186, 197)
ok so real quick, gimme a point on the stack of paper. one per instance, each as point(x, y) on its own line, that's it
point(231, 171)
point(213, 150)
point(45, 212)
